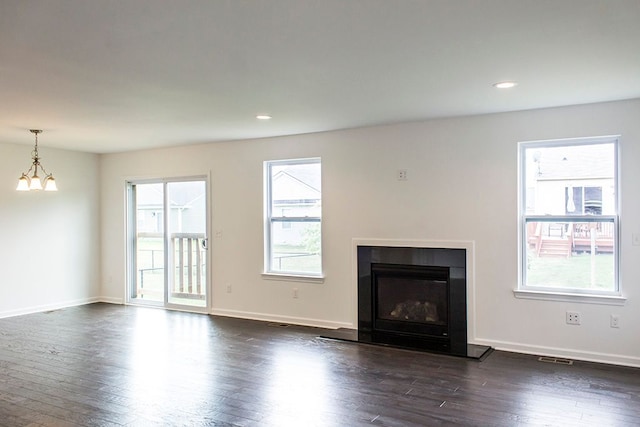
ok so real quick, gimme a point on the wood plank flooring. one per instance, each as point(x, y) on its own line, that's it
point(111, 365)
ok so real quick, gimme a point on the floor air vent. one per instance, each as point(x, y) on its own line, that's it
point(557, 360)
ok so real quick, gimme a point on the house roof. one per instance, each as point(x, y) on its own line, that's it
point(297, 182)
point(109, 76)
point(576, 162)
point(304, 175)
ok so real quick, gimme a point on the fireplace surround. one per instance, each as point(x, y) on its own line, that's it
point(413, 296)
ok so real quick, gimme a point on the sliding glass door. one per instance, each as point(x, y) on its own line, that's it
point(168, 245)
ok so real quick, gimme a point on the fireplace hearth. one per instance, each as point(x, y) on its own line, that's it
point(414, 298)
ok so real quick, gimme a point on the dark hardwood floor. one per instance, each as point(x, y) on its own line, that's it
point(106, 365)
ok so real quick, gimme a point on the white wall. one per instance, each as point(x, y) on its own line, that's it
point(462, 185)
point(49, 254)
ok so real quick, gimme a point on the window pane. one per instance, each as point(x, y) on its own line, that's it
point(569, 211)
point(149, 244)
point(295, 247)
point(295, 190)
point(572, 255)
point(187, 233)
point(570, 180)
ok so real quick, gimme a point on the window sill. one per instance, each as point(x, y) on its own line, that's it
point(293, 277)
point(570, 297)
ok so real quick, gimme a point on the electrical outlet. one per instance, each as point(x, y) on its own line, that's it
point(614, 321)
point(295, 292)
point(573, 318)
point(228, 288)
point(402, 175)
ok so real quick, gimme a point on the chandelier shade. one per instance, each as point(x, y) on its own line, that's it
point(33, 182)
point(23, 183)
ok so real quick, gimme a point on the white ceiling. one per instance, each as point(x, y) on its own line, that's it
point(107, 76)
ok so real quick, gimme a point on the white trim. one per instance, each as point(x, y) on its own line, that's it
point(266, 317)
point(468, 245)
point(209, 235)
point(165, 181)
point(112, 300)
point(293, 277)
point(48, 307)
point(570, 297)
point(587, 356)
point(579, 140)
point(268, 221)
point(565, 294)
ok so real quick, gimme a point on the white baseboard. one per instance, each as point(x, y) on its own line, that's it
point(48, 307)
point(266, 317)
point(587, 356)
point(318, 323)
point(111, 300)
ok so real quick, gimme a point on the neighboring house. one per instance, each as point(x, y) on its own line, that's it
point(186, 207)
point(570, 180)
point(296, 193)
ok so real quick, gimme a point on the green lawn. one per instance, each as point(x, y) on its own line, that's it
point(572, 272)
point(295, 258)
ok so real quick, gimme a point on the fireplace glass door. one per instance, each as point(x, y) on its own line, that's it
point(410, 299)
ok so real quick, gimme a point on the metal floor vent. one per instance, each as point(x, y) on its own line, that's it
point(555, 360)
point(278, 325)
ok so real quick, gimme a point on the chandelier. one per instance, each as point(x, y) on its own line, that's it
point(28, 183)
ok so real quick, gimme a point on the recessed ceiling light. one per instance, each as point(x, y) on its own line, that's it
point(263, 117)
point(504, 85)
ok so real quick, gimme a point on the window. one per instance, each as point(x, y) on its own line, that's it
point(569, 216)
point(293, 206)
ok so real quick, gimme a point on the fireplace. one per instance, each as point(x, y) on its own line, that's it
point(413, 297)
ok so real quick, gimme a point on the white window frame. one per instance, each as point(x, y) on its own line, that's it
point(269, 271)
point(612, 297)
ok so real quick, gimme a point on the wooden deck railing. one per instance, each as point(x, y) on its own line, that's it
point(189, 261)
point(603, 238)
point(558, 238)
